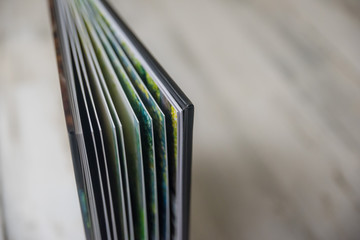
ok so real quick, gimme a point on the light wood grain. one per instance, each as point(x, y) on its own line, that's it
point(276, 91)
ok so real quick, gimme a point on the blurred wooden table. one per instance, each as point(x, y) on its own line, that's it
point(276, 86)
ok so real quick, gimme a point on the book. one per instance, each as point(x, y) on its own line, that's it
point(129, 125)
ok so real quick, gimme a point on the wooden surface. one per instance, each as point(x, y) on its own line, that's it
point(39, 192)
point(276, 89)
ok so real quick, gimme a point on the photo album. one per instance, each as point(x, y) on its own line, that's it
point(130, 127)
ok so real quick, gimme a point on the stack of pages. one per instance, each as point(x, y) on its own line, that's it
point(129, 124)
